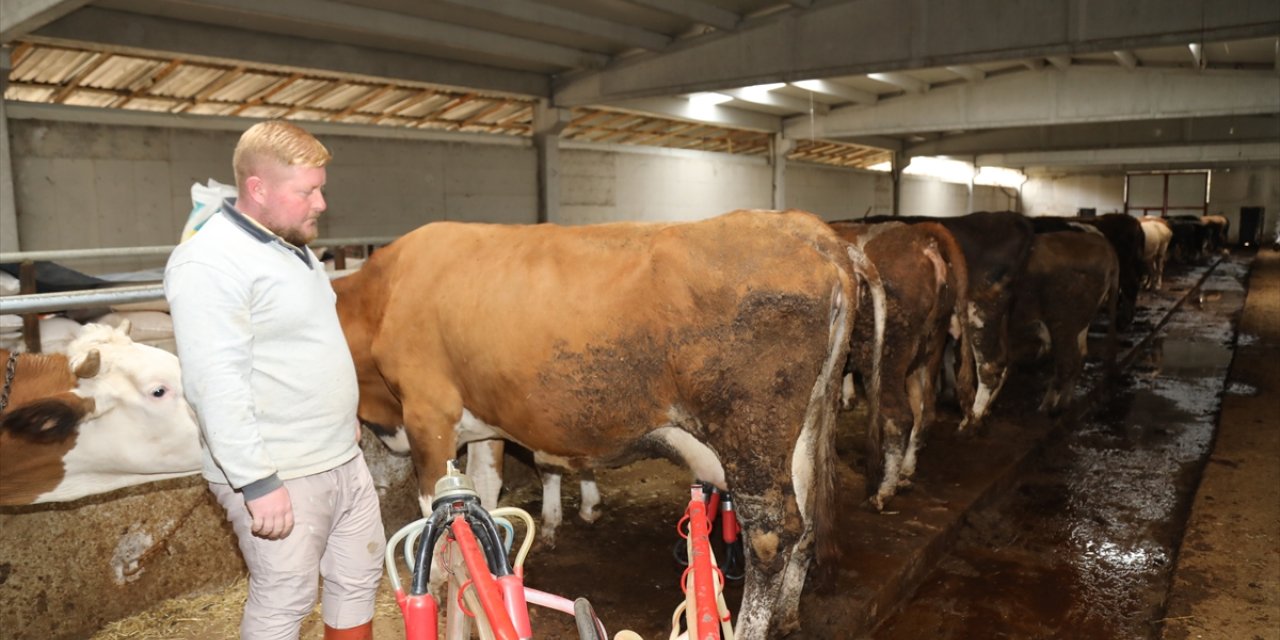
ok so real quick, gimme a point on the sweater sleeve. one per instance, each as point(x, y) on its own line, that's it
point(213, 329)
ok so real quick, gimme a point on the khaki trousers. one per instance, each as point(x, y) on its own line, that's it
point(337, 537)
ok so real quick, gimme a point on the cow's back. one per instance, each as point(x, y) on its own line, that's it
point(555, 314)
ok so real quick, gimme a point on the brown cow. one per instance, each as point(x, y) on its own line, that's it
point(996, 245)
point(926, 292)
point(1069, 276)
point(719, 340)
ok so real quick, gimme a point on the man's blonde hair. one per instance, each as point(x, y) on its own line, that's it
point(280, 142)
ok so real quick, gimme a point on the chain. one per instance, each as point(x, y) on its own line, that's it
point(9, 370)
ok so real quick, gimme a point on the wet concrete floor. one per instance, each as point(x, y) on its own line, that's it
point(1084, 544)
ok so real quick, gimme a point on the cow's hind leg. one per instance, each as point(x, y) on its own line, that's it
point(589, 504)
point(552, 513)
point(919, 392)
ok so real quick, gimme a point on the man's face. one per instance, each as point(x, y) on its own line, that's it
point(292, 200)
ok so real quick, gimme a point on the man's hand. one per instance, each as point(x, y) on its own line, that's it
point(272, 514)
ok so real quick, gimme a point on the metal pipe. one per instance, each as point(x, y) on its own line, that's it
point(161, 250)
point(64, 301)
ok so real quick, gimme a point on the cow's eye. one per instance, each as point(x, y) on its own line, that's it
point(159, 392)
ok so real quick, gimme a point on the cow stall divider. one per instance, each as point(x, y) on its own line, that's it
point(29, 304)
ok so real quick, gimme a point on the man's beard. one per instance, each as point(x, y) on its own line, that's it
point(297, 236)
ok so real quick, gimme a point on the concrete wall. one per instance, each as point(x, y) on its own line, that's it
point(1048, 195)
point(930, 197)
point(1246, 187)
point(1229, 189)
point(84, 185)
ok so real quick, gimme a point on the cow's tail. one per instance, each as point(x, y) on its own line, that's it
point(870, 276)
point(820, 421)
point(953, 255)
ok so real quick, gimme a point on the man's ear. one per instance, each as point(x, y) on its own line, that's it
point(256, 189)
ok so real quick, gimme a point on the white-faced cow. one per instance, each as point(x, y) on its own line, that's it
point(720, 341)
point(926, 286)
point(108, 414)
point(1069, 277)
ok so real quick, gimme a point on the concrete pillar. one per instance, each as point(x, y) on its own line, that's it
point(548, 123)
point(897, 163)
point(8, 207)
point(779, 148)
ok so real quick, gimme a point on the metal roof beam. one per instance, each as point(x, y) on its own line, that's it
point(1138, 157)
point(1107, 135)
point(719, 115)
point(828, 88)
point(329, 15)
point(968, 72)
point(1126, 59)
point(20, 17)
point(549, 16)
point(901, 80)
point(1080, 94)
point(695, 10)
point(147, 35)
point(776, 100)
point(868, 36)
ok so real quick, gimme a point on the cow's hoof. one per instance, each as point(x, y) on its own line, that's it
point(547, 538)
point(905, 484)
point(590, 516)
point(878, 502)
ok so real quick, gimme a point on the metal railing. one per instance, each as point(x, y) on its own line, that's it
point(68, 300)
point(28, 305)
point(162, 250)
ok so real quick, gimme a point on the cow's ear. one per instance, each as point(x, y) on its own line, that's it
point(50, 420)
point(89, 366)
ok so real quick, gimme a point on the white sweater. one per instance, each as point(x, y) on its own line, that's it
point(264, 359)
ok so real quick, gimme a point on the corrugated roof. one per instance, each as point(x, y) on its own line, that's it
point(85, 77)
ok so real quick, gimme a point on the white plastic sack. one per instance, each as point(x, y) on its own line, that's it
point(145, 326)
point(56, 333)
point(9, 285)
point(205, 201)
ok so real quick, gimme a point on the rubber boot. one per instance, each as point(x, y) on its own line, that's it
point(361, 632)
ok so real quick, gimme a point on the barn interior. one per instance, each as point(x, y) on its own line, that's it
point(574, 112)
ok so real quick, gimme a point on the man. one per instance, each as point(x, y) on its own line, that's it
point(266, 366)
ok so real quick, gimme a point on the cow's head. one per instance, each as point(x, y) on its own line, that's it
point(125, 422)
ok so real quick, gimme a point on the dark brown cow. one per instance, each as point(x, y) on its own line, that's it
point(1129, 242)
point(1070, 275)
point(1125, 234)
point(926, 286)
point(995, 245)
point(1219, 231)
point(718, 340)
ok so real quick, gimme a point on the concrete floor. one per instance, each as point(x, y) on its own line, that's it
point(1227, 580)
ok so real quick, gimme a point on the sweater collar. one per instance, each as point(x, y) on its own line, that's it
point(261, 233)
